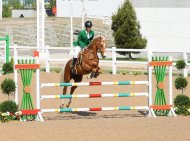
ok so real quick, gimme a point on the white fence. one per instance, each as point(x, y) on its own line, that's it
point(45, 56)
point(3, 51)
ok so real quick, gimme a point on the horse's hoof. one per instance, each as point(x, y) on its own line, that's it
point(61, 106)
point(67, 105)
point(91, 75)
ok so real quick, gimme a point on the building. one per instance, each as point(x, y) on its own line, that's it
point(24, 13)
point(165, 23)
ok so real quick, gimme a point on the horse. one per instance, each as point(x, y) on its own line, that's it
point(87, 63)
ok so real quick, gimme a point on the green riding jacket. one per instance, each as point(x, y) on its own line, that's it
point(83, 40)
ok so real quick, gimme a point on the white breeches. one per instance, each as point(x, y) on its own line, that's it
point(76, 51)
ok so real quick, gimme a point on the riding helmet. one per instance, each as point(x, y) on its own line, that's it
point(88, 24)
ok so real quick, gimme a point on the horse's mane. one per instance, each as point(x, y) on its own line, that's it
point(95, 38)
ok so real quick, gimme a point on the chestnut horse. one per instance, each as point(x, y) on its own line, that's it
point(87, 62)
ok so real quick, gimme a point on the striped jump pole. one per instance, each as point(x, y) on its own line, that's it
point(159, 65)
point(92, 95)
point(95, 83)
point(120, 108)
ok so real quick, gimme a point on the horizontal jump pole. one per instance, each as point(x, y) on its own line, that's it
point(160, 63)
point(161, 107)
point(92, 95)
point(96, 109)
point(27, 66)
point(30, 112)
point(95, 83)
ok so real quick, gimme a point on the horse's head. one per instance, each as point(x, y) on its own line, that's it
point(102, 46)
point(99, 44)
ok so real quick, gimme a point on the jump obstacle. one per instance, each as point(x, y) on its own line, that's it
point(160, 107)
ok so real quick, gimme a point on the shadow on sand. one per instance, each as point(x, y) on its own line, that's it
point(91, 115)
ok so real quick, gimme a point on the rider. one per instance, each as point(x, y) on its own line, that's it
point(84, 38)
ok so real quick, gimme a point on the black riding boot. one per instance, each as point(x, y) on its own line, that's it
point(73, 69)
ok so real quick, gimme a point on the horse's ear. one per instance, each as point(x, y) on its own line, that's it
point(100, 37)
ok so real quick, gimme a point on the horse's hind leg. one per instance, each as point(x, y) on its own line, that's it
point(67, 78)
point(77, 78)
point(64, 93)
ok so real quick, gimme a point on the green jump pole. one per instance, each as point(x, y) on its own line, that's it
point(7, 48)
point(7, 54)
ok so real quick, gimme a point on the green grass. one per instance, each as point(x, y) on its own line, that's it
point(124, 71)
point(57, 70)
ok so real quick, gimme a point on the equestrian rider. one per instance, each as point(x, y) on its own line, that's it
point(84, 38)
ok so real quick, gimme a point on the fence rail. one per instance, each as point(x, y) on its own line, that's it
point(113, 52)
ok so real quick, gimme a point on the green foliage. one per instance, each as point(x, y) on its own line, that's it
point(182, 104)
point(6, 11)
point(30, 4)
point(8, 86)
point(181, 83)
point(8, 106)
point(180, 64)
point(126, 28)
point(52, 3)
point(15, 4)
point(57, 70)
point(7, 68)
point(34, 5)
point(12, 61)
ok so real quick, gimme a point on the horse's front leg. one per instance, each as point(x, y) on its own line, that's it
point(99, 70)
point(95, 72)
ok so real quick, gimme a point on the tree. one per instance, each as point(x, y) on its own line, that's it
point(15, 4)
point(53, 3)
point(6, 11)
point(126, 29)
point(181, 83)
point(8, 87)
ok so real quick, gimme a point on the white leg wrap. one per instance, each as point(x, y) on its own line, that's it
point(76, 51)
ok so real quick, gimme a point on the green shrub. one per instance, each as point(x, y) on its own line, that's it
point(12, 61)
point(181, 83)
point(180, 64)
point(8, 106)
point(182, 103)
point(8, 87)
point(6, 13)
point(7, 68)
